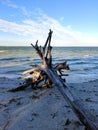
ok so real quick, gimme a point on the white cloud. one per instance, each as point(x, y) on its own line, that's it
point(9, 3)
point(11, 27)
point(37, 30)
point(25, 11)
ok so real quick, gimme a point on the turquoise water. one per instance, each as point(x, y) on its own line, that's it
point(83, 61)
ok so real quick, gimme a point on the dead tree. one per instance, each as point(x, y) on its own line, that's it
point(52, 74)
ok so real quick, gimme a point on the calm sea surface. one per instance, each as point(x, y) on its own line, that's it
point(83, 61)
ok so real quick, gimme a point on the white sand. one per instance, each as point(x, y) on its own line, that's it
point(43, 109)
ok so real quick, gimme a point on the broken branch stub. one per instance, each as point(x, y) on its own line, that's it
point(45, 51)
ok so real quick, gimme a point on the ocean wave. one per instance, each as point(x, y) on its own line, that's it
point(15, 59)
point(2, 51)
point(82, 61)
point(6, 59)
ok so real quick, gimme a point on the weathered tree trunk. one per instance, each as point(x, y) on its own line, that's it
point(53, 74)
point(75, 103)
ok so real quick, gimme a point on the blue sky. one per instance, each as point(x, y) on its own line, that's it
point(74, 22)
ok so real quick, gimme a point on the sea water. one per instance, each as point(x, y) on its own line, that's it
point(83, 61)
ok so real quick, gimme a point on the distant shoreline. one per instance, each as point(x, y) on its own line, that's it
point(54, 46)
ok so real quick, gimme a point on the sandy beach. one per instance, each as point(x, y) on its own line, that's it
point(44, 109)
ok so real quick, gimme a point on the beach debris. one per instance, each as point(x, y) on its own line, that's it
point(48, 74)
point(38, 78)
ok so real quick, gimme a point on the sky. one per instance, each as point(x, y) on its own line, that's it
point(74, 22)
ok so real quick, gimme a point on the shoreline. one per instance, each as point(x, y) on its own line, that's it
point(43, 109)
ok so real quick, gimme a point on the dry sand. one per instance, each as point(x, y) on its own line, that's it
point(44, 109)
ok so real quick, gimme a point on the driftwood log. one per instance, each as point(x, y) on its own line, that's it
point(49, 74)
